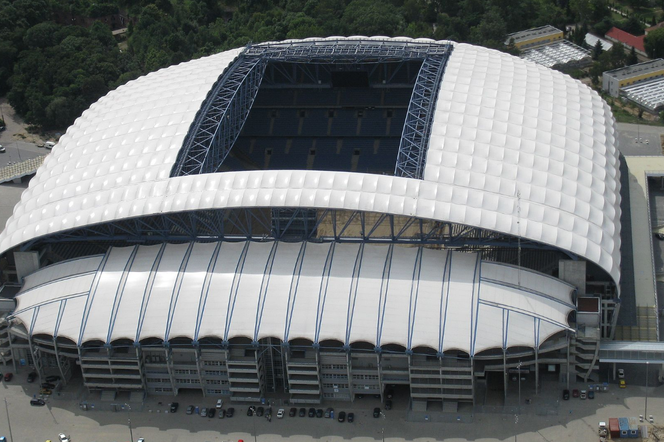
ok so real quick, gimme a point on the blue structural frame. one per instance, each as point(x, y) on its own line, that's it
point(293, 225)
point(220, 120)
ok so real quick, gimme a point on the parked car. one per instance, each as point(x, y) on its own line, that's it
point(388, 404)
point(319, 412)
point(591, 395)
point(622, 383)
point(260, 411)
point(583, 395)
point(292, 412)
point(351, 417)
point(2, 149)
point(52, 378)
point(204, 412)
point(8, 377)
point(621, 373)
point(222, 413)
point(342, 416)
point(302, 412)
point(63, 438)
point(312, 412)
point(565, 395)
point(220, 403)
point(190, 409)
point(329, 412)
point(45, 392)
point(230, 412)
point(37, 402)
point(376, 412)
point(47, 385)
point(211, 412)
point(197, 411)
point(31, 377)
point(575, 393)
point(140, 439)
point(49, 144)
point(280, 413)
point(174, 407)
point(250, 410)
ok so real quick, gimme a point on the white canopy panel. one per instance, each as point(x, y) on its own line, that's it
point(515, 148)
point(408, 296)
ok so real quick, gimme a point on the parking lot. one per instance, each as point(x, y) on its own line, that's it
point(573, 420)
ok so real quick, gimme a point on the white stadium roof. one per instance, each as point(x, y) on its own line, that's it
point(515, 148)
point(409, 296)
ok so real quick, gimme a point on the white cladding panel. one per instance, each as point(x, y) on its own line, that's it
point(508, 136)
point(408, 296)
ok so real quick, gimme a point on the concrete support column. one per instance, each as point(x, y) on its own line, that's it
point(57, 359)
point(169, 367)
point(349, 372)
point(536, 371)
point(568, 356)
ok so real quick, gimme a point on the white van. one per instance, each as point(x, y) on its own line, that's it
point(49, 144)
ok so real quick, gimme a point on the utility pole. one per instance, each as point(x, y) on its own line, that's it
point(646, 412)
point(131, 433)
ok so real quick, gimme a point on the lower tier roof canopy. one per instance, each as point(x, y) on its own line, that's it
point(408, 296)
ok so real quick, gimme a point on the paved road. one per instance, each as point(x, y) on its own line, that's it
point(576, 421)
point(639, 139)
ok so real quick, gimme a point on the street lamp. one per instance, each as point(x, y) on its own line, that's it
point(11, 436)
point(131, 433)
point(646, 412)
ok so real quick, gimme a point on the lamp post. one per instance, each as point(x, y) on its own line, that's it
point(11, 436)
point(131, 433)
point(646, 412)
point(518, 407)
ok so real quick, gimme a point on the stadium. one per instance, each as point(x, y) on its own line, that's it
point(323, 218)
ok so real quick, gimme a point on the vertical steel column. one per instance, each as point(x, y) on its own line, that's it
point(505, 377)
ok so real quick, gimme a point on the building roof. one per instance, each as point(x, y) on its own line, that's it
point(591, 41)
point(649, 94)
point(409, 296)
point(654, 28)
point(627, 38)
point(532, 33)
point(636, 69)
point(559, 53)
point(515, 148)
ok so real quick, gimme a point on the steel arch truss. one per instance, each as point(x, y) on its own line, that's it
point(220, 120)
point(417, 129)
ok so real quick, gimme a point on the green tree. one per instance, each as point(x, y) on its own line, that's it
point(597, 50)
point(491, 31)
point(654, 43)
point(631, 58)
point(369, 17)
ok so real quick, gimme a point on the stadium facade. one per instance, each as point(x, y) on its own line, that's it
point(323, 217)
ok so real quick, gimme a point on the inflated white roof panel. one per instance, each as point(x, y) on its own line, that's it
point(408, 296)
point(510, 141)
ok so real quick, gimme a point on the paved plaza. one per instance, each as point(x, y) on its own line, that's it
point(573, 420)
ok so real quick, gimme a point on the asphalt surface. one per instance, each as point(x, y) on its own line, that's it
point(573, 420)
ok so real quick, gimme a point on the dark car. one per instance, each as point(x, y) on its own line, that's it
point(312, 412)
point(211, 412)
point(376, 412)
point(388, 404)
point(31, 377)
point(251, 410)
point(319, 412)
point(47, 385)
point(52, 378)
point(8, 377)
point(37, 402)
point(174, 407)
point(292, 412)
point(591, 394)
point(260, 411)
point(222, 413)
point(351, 417)
point(230, 412)
point(302, 412)
point(342, 416)
point(190, 409)
point(575, 393)
point(565, 395)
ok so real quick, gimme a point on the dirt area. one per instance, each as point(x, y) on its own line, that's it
point(17, 129)
point(655, 434)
